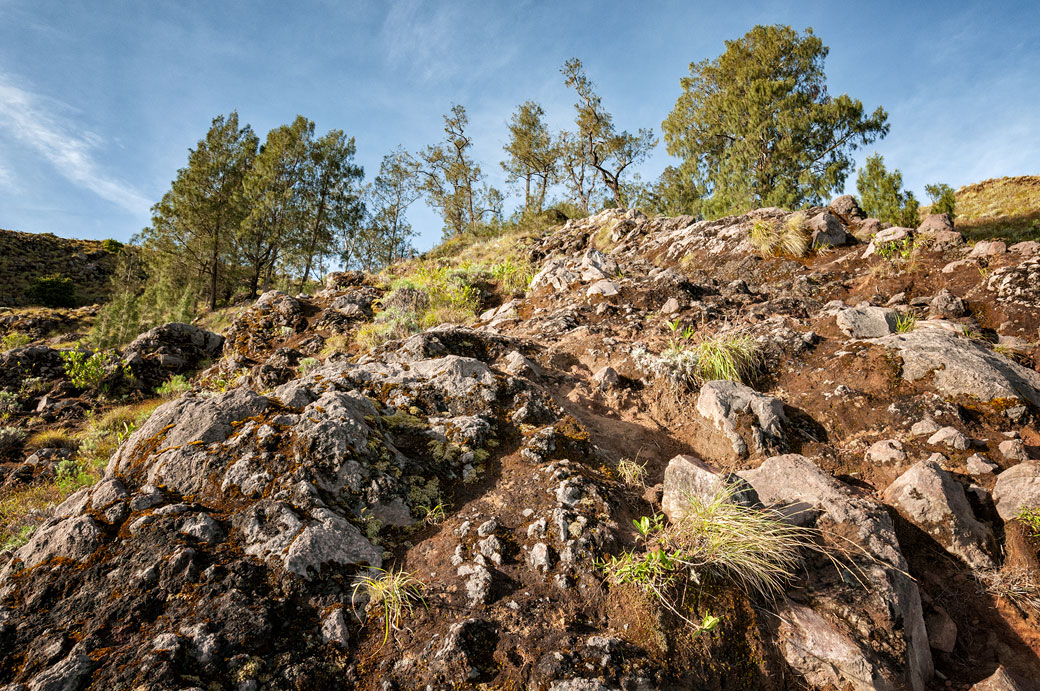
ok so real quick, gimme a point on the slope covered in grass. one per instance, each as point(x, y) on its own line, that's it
point(1001, 207)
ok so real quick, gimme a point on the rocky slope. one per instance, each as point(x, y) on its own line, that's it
point(224, 548)
point(28, 256)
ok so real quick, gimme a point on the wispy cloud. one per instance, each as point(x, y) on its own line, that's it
point(33, 122)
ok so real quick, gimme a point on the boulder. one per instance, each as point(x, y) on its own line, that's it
point(824, 655)
point(885, 451)
point(892, 600)
point(688, 477)
point(935, 223)
point(930, 498)
point(988, 248)
point(602, 288)
point(867, 229)
point(174, 348)
point(554, 277)
point(73, 538)
point(951, 437)
point(827, 230)
point(725, 403)
point(946, 304)
point(963, 366)
point(846, 207)
point(1018, 284)
point(942, 630)
point(1016, 488)
point(1013, 450)
point(1000, 681)
point(867, 322)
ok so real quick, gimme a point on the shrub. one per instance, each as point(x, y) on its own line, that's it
point(174, 386)
point(111, 246)
point(896, 249)
point(55, 438)
point(14, 339)
point(88, 371)
point(308, 363)
point(72, 476)
point(906, 322)
point(735, 358)
point(789, 238)
point(393, 594)
point(944, 199)
point(8, 404)
point(15, 541)
point(1029, 516)
point(52, 291)
point(11, 439)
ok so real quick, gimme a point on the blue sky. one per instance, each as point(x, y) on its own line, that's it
point(100, 101)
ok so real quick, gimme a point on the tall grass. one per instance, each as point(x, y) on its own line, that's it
point(393, 594)
point(789, 238)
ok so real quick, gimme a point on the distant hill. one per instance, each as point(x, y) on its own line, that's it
point(1005, 207)
point(25, 257)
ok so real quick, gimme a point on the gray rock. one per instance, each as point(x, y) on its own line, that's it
point(723, 402)
point(846, 206)
point(999, 681)
point(946, 304)
point(886, 238)
point(581, 685)
point(334, 628)
point(942, 630)
point(539, 557)
point(606, 378)
point(71, 674)
point(671, 306)
point(978, 465)
point(517, 365)
point(603, 288)
point(1014, 450)
point(478, 583)
point(951, 437)
point(796, 483)
point(935, 223)
point(867, 322)
point(203, 528)
point(931, 499)
point(554, 277)
point(827, 230)
point(885, 451)
point(924, 427)
point(1017, 284)
point(1016, 488)
point(963, 366)
point(1026, 248)
point(824, 655)
point(688, 477)
point(73, 538)
point(988, 248)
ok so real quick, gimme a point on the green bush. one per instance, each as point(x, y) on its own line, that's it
point(53, 291)
point(174, 386)
point(88, 371)
point(111, 246)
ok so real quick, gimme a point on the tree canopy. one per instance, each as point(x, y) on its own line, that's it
point(882, 196)
point(756, 126)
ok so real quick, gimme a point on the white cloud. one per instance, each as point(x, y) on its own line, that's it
point(27, 119)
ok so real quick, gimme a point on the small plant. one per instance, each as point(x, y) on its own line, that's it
point(1029, 516)
point(111, 246)
point(307, 364)
point(906, 322)
point(15, 541)
point(433, 515)
point(8, 404)
point(735, 359)
point(393, 594)
point(896, 249)
point(56, 438)
point(88, 370)
point(1018, 586)
point(14, 339)
point(631, 472)
point(174, 386)
point(71, 476)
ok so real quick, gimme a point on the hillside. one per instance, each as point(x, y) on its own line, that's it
point(770, 451)
point(1001, 207)
point(25, 257)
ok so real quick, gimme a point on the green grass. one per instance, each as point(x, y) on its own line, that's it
point(174, 386)
point(1029, 516)
point(906, 322)
point(14, 339)
point(1007, 208)
point(392, 594)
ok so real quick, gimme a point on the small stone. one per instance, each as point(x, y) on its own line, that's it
point(926, 426)
point(606, 378)
point(671, 306)
point(885, 451)
point(978, 465)
point(538, 558)
point(1014, 450)
point(942, 630)
point(952, 437)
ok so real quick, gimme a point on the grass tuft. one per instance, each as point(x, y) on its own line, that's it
point(790, 238)
point(393, 594)
point(631, 472)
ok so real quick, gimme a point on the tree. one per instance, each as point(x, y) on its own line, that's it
point(757, 127)
point(882, 196)
point(578, 176)
point(452, 181)
point(273, 193)
point(392, 191)
point(193, 226)
point(599, 144)
point(944, 199)
point(533, 156)
point(330, 196)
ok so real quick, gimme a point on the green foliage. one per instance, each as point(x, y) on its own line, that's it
point(1029, 516)
point(906, 322)
point(453, 182)
point(15, 541)
point(89, 370)
point(790, 238)
point(111, 246)
point(896, 249)
point(308, 363)
point(393, 594)
point(882, 196)
point(394, 189)
point(757, 127)
point(601, 146)
point(944, 199)
point(174, 386)
point(71, 476)
point(733, 358)
point(14, 339)
point(534, 156)
point(52, 291)
point(514, 275)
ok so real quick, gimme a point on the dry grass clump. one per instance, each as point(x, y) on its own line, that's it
point(790, 238)
point(631, 472)
point(1017, 586)
point(734, 358)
